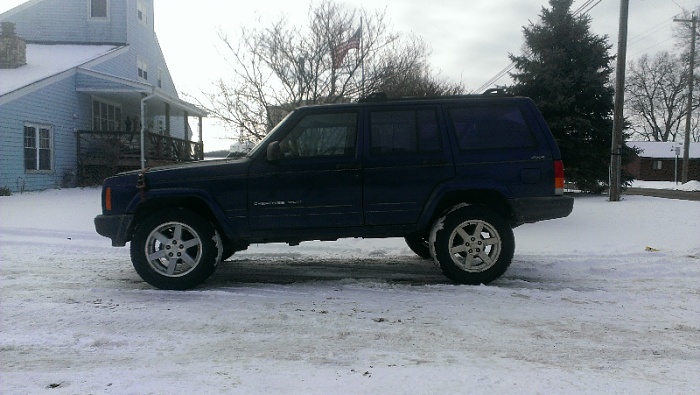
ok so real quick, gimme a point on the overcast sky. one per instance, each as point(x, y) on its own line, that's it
point(470, 40)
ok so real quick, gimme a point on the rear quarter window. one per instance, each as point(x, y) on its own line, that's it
point(493, 126)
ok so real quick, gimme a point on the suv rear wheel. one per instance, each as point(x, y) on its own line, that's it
point(175, 249)
point(472, 244)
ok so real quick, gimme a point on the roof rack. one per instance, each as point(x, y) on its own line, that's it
point(382, 96)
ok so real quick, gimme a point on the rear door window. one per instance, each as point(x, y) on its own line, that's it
point(404, 131)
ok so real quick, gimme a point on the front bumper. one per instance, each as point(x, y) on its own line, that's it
point(116, 227)
point(528, 210)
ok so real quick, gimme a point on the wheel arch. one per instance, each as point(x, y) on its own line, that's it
point(186, 201)
point(493, 199)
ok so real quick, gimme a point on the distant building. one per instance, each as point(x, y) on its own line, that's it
point(79, 80)
point(657, 161)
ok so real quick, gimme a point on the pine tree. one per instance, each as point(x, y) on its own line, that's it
point(566, 70)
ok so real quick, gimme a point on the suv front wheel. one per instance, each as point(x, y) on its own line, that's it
point(472, 244)
point(175, 249)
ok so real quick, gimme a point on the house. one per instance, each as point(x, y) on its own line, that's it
point(85, 92)
point(657, 161)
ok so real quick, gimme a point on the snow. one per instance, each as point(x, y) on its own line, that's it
point(62, 57)
point(664, 149)
point(690, 186)
point(603, 301)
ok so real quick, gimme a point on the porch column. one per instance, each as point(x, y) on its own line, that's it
point(199, 130)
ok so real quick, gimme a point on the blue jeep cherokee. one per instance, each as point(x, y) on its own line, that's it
point(452, 175)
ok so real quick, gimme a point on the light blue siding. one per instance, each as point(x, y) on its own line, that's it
point(68, 21)
point(59, 104)
point(48, 106)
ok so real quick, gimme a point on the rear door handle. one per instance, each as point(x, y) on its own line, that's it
point(434, 162)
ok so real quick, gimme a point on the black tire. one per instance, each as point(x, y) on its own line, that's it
point(472, 244)
point(419, 245)
point(175, 249)
point(228, 251)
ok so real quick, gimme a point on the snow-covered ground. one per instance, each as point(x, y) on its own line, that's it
point(690, 186)
point(606, 300)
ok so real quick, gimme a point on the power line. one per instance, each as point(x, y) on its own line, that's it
point(637, 53)
point(584, 9)
point(650, 32)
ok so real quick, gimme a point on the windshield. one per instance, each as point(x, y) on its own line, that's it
point(266, 140)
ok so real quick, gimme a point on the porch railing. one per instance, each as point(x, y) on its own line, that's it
point(102, 154)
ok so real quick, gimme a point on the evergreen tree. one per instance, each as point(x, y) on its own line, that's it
point(566, 70)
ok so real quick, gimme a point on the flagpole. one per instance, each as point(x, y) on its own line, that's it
point(362, 58)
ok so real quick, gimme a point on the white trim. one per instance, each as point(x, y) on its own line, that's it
point(38, 127)
point(142, 7)
point(142, 68)
point(43, 83)
point(118, 50)
point(183, 105)
point(101, 116)
point(105, 101)
point(98, 18)
point(140, 86)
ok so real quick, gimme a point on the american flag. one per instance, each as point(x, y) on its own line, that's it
point(342, 50)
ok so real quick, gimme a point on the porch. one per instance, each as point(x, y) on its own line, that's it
point(104, 153)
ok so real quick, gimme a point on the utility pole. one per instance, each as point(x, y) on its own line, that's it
point(618, 119)
point(686, 147)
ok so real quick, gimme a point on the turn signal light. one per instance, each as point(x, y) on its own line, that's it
point(558, 177)
point(108, 199)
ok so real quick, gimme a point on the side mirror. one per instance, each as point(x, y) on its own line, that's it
point(274, 152)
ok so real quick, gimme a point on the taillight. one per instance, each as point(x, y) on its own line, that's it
point(558, 177)
point(108, 199)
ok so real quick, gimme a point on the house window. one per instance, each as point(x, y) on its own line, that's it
point(656, 165)
point(38, 147)
point(160, 78)
point(142, 13)
point(98, 9)
point(106, 117)
point(142, 69)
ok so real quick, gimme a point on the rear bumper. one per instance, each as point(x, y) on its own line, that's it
point(528, 210)
point(116, 227)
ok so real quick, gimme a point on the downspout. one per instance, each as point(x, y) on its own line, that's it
point(201, 142)
point(143, 127)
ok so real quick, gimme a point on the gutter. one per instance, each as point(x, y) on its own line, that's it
point(143, 126)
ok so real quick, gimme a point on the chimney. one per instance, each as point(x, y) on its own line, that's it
point(13, 50)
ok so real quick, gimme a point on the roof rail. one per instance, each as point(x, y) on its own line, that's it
point(382, 96)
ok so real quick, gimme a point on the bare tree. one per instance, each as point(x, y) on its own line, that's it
point(281, 67)
point(407, 75)
point(657, 95)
